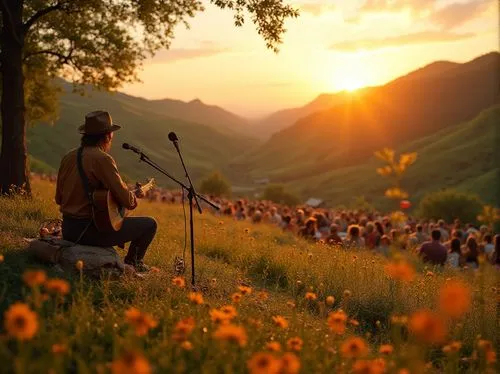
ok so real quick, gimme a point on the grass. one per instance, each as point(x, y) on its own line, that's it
point(91, 326)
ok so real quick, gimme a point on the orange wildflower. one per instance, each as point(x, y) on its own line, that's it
point(295, 344)
point(34, 278)
point(330, 300)
point(453, 347)
point(400, 270)
point(290, 304)
point(142, 322)
point(263, 295)
point(386, 349)
point(131, 363)
point(244, 290)
point(273, 346)
point(196, 298)
point(290, 364)
point(232, 333)
point(183, 329)
point(280, 321)
point(236, 297)
point(368, 367)
point(2, 258)
point(218, 316)
point(187, 346)
point(311, 296)
point(353, 322)
point(455, 298)
point(428, 327)
point(179, 282)
point(59, 348)
point(337, 321)
point(59, 286)
point(20, 321)
point(263, 363)
point(79, 265)
point(229, 311)
point(354, 348)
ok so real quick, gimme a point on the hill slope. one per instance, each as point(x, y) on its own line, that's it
point(461, 157)
point(408, 108)
point(146, 125)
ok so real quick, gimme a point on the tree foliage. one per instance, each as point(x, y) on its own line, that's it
point(449, 205)
point(278, 194)
point(216, 185)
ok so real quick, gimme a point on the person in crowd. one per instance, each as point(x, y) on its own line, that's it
point(372, 237)
point(287, 224)
point(471, 252)
point(334, 238)
point(354, 239)
point(495, 257)
point(455, 253)
point(385, 246)
point(418, 237)
point(487, 247)
point(445, 236)
point(433, 251)
point(310, 230)
point(275, 218)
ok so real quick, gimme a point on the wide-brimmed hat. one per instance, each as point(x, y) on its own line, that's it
point(97, 123)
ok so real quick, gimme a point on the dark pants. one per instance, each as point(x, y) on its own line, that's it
point(140, 231)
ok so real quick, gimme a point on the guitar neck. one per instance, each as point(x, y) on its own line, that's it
point(145, 188)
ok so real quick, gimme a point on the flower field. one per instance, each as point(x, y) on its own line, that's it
point(266, 302)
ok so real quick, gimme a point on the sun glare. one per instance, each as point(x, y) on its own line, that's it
point(351, 83)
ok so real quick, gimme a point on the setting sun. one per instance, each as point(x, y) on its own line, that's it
point(352, 83)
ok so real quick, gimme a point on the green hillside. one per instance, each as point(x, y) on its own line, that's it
point(144, 125)
point(461, 157)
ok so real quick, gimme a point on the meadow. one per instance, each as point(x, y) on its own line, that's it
point(266, 302)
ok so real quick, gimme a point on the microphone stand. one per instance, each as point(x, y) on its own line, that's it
point(192, 194)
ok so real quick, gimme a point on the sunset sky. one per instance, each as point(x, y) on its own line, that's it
point(333, 45)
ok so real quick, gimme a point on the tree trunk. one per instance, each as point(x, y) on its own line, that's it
point(13, 158)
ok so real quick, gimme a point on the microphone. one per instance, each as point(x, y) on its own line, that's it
point(174, 139)
point(131, 147)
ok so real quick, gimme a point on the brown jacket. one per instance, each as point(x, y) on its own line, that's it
point(101, 172)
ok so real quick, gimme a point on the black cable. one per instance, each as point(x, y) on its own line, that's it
point(185, 226)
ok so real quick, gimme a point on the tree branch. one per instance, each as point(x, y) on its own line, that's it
point(42, 12)
point(65, 59)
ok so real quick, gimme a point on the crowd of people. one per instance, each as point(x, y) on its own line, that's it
point(438, 242)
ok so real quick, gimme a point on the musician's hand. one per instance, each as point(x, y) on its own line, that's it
point(139, 192)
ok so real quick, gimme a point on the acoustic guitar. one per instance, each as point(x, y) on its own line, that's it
point(108, 214)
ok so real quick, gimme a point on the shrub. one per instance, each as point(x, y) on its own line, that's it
point(278, 194)
point(215, 184)
point(450, 204)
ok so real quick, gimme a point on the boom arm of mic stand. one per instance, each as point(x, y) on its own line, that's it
point(154, 165)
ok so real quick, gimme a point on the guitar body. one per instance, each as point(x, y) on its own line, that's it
point(108, 214)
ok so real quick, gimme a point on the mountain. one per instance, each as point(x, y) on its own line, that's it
point(145, 124)
point(279, 120)
point(463, 157)
point(417, 105)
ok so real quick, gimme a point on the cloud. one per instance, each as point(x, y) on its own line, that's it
point(396, 5)
point(205, 49)
point(316, 9)
point(448, 16)
point(456, 14)
point(423, 37)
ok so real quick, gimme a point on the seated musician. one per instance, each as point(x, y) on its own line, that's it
point(101, 172)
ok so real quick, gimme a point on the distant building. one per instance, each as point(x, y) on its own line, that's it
point(314, 202)
point(262, 181)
